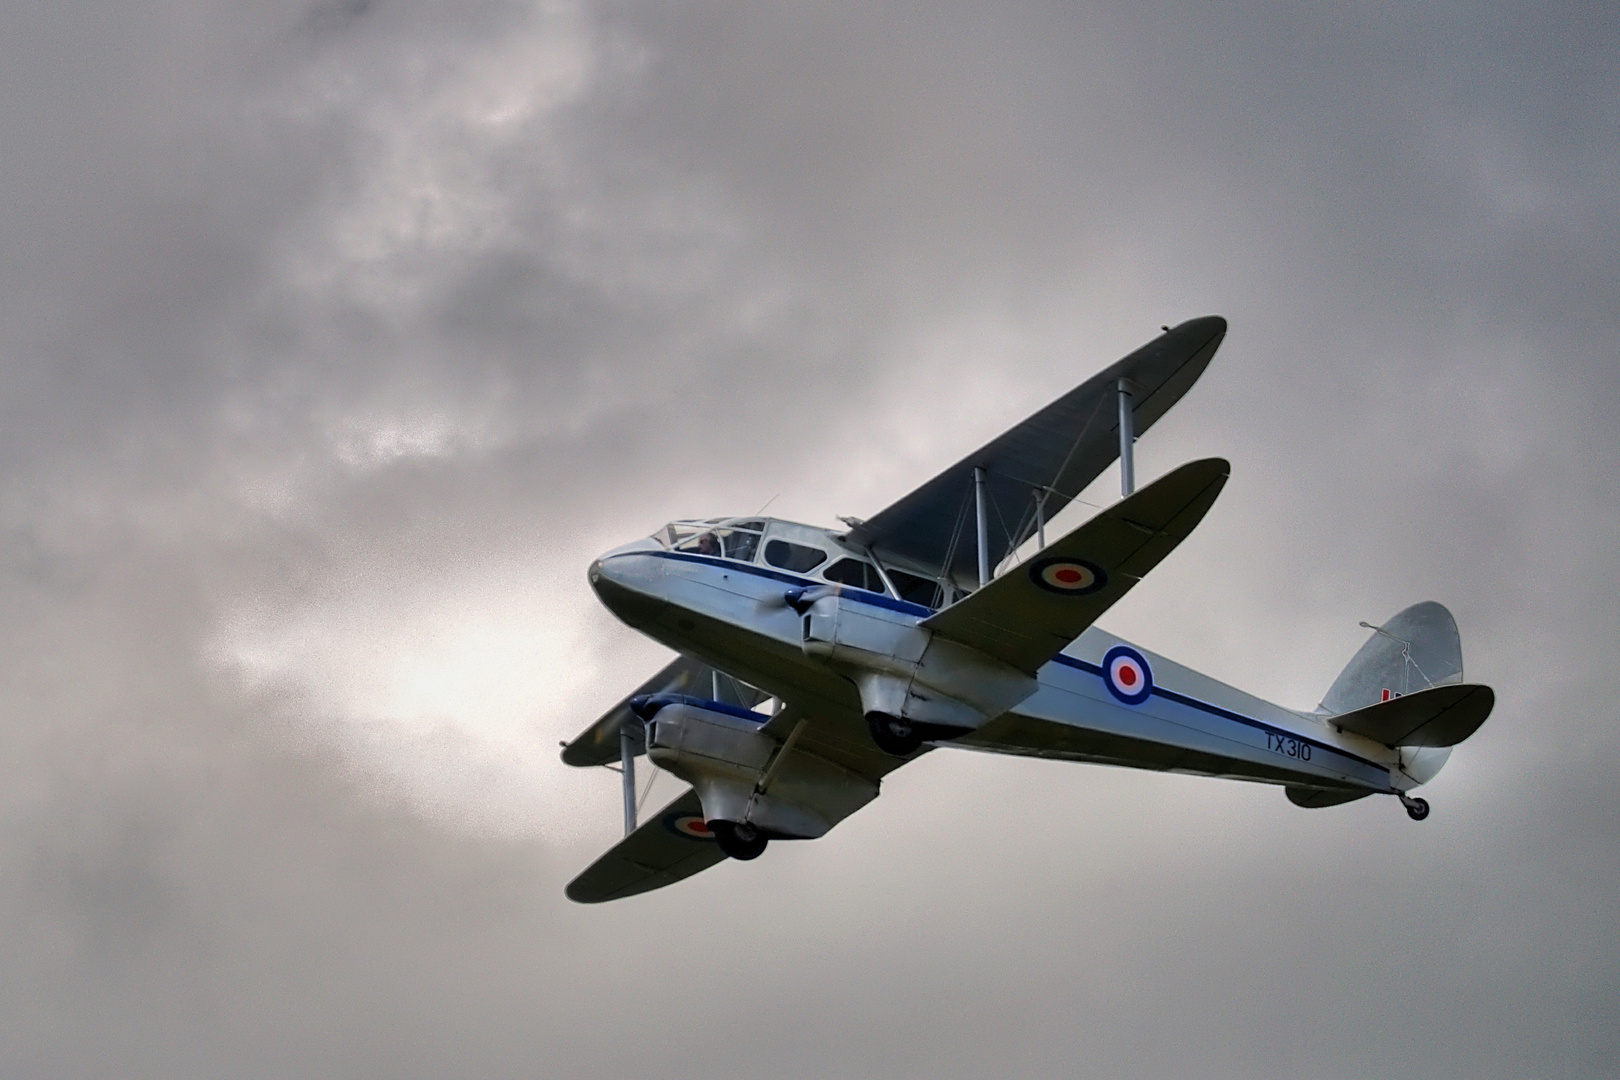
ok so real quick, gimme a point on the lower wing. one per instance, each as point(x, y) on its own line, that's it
point(673, 844)
point(796, 774)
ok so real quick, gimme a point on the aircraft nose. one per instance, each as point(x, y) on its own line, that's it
point(628, 585)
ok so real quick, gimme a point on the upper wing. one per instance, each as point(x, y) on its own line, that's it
point(1027, 616)
point(671, 845)
point(1058, 451)
point(599, 743)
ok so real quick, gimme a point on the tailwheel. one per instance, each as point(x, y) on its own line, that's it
point(739, 839)
point(1416, 809)
point(893, 735)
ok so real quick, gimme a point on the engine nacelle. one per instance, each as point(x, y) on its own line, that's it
point(723, 753)
point(903, 670)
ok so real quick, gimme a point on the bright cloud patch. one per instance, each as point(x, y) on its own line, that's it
point(448, 695)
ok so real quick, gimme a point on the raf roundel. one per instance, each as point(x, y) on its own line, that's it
point(1068, 577)
point(1126, 674)
point(689, 825)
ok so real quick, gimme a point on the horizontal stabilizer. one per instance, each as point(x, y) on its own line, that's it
point(671, 845)
point(1312, 798)
point(1438, 716)
point(1028, 615)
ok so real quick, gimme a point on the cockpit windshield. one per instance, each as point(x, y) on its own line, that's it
point(726, 538)
point(798, 549)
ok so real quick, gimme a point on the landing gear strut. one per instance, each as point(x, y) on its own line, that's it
point(738, 839)
point(893, 735)
point(1416, 809)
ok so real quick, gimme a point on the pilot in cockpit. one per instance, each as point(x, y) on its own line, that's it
point(708, 544)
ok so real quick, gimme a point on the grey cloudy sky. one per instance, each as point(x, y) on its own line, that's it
point(337, 339)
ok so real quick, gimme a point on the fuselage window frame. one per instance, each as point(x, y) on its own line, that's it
point(797, 557)
point(871, 581)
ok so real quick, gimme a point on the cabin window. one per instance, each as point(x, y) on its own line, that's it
point(799, 558)
point(856, 572)
point(918, 590)
point(738, 544)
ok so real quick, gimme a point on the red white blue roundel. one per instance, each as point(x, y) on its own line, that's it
point(1126, 674)
point(691, 826)
point(1070, 577)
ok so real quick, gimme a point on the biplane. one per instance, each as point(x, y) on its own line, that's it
point(813, 661)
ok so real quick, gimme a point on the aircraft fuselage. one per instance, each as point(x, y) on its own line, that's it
point(1101, 700)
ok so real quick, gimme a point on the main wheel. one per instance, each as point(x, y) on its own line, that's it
point(739, 839)
point(1417, 809)
point(893, 735)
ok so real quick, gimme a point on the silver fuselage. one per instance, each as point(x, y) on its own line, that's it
point(732, 615)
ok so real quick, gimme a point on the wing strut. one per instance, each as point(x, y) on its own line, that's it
point(984, 526)
point(1127, 440)
point(627, 771)
point(1026, 617)
point(1060, 450)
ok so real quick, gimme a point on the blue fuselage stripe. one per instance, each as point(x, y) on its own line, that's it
point(1225, 714)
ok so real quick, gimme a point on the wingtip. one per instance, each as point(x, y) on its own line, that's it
point(577, 898)
point(1204, 326)
point(1214, 466)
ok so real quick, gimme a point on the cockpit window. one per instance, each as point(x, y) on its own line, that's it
point(735, 541)
point(674, 535)
point(856, 572)
point(799, 558)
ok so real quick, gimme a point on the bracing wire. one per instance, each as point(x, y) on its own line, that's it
point(956, 536)
point(652, 775)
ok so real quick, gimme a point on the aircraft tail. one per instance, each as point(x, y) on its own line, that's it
point(1407, 657)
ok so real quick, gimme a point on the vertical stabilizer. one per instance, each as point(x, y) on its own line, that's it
point(1417, 649)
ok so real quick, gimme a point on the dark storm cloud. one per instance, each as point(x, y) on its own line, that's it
point(338, 339)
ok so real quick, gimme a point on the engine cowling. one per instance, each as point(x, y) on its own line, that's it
point(724, 754)
point(903, 670)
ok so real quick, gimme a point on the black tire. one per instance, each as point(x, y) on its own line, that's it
point(738, 840)
point(893, 735)
point(1417, 809)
